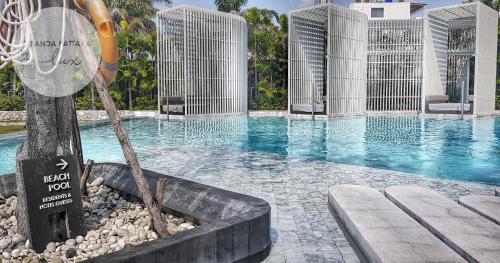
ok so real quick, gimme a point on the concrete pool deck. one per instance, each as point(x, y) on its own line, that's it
point(303, 228)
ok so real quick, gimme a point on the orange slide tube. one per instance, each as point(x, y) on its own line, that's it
point(107, 37)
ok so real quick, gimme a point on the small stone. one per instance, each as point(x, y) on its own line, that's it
point(102, 251)
point(97, 182)
point(79, 239)
point(119, 223)
point(51, 247)
point(4, 243)
point(71, 242)
point(121, 243)
point(71, 253)
point(6, 255)
point(18, 239)
point(122, 232)
point(34, 260)
point(171, 231)
point(178, 221)
point(142, 234)
point(2, 200)
point(56, 260)
point(15, 253)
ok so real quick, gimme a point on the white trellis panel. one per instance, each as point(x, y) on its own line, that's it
point(395, 57)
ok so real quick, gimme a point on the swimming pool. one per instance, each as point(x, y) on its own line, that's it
point(466, 150)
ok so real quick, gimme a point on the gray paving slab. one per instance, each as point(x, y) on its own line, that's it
point(485, 205)
point(472, 236)
point(382, 231)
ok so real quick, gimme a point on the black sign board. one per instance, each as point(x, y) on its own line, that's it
point(53, 200)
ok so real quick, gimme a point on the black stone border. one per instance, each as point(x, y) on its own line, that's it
point(233, 227)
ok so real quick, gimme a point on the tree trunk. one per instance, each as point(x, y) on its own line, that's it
point(130, 155)
point(52, 130)
point(130, 104)
point(92, 91)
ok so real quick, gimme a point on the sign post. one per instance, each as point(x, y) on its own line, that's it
point(53, 200)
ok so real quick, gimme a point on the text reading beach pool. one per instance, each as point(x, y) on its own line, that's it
point(58, 182)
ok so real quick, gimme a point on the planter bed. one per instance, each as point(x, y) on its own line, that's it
point(232, 227)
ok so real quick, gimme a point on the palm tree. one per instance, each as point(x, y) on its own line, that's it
point(129, 10)
point(230, 5)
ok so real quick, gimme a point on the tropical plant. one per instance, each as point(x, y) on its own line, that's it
point(268, 67)
point(270, 97)
point(230, 5)
point(136, 35)
point(128, 10)
point(11, 103)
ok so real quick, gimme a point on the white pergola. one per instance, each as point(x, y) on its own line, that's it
point(327, 61)
point(202, 62)
point(460, 58)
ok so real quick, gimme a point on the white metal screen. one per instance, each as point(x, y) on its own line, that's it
point(327, 60)
point(395, 69)
point(202, 62)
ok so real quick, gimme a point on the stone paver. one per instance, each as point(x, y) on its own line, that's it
point(383, 232)
point(303, 228)
point(485, 205)
point(469, 234)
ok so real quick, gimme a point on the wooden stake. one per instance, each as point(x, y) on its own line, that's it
point(85, 176)
point(160, 192)
point(129, 154)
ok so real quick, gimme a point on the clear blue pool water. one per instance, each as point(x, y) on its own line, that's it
point(453, 149)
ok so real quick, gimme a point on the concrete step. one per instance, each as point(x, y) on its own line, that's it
point(485, 205)
point(472, 236)
point(382, 231)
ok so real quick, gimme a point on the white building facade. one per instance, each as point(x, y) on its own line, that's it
point(202, 62)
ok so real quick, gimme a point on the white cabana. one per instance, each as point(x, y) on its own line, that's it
point(460, 58)
point(202, 62)
point(327, 61)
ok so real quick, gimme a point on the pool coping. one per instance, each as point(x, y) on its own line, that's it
point(233, 227)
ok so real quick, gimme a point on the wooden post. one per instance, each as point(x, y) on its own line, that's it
point(129, 154)
point(160, 191)
point(85, 176)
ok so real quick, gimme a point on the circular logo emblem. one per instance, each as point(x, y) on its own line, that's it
point(62, 52)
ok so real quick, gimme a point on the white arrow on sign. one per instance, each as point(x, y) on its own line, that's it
point(63, 164)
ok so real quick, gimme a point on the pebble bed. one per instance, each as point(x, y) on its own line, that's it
point(113, 224)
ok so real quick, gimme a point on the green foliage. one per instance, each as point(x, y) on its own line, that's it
point(230, 5)
point(11, 103)
point(268, 65)
point(9, 83)
point(84, 100)
point(143, 103)
point(135, 82)
point(270, 97)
